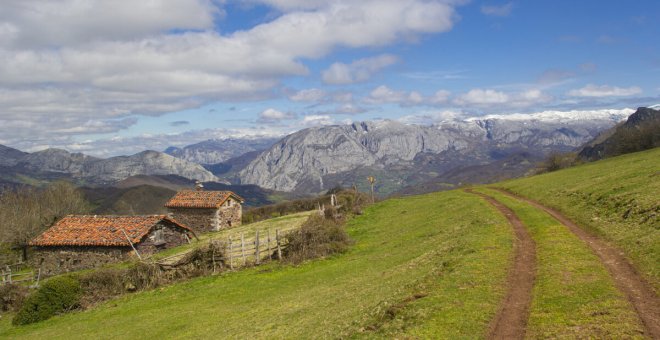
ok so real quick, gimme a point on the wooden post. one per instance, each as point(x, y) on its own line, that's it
point(231, 255)
point(8, 274)
point(131, 243)
point(268, 246)
point(256, 250)
point(243, 248)
point(38, 278)
point(212, 245)
point(279, 248)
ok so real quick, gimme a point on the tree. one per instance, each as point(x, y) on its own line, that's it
point(26, 212)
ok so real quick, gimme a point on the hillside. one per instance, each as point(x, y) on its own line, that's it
point(641, 131)
point(616, 198)
point(430, 266)
point(397, 279)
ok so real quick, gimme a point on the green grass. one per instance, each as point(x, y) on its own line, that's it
point(617, 198)
point(574, 296)
point(429, 266)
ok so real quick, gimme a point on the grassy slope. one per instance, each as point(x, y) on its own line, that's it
point(425, 266)
point(617, 198)
point(574, 294)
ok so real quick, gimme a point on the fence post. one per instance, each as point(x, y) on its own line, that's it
point(268, 247)
point(9, 274)
point(231, 255)
point(256, 250)
point(279, 248)
point(243, 248)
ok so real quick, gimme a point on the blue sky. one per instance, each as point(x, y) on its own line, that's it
point(146, 76)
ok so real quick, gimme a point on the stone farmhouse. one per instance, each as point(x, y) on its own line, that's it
point(206, 211)
point(81, 242)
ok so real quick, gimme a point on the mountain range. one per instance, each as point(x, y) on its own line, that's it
point(56, 164)
point(400, 155)
point(404, 158)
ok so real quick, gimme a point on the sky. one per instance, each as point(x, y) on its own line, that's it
point(117, 77)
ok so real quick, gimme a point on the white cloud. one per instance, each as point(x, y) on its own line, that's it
point(498, 10)
point(44, 23)
point(440, 96)
point(110, 60)
point(383, 94)
point(496, 99)
point(592, 90)
point(358, 71)
point(308, 95)
point(272, 115)
point(482, 97)
point(316, 120)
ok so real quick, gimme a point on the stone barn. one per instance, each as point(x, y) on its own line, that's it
point(205, 211)
point(81, 242)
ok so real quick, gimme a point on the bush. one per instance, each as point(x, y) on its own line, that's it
point(318, 237)
point(557, 161)
point(12, 297)
point(55, 296)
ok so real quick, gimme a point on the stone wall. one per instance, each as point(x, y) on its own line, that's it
point(206, 220)
point(172, 236)
point(57, 260)
point(199, 220)
point(230, 216)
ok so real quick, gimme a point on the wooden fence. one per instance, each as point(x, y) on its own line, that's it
point(30, 278)
point(242, 250)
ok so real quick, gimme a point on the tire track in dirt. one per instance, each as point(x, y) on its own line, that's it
point(636, 289)
point(511, 319)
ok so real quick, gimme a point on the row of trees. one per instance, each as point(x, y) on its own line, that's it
point(26, 212)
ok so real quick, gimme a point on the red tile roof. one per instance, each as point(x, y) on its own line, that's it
point(83, 230)
point(200, 199)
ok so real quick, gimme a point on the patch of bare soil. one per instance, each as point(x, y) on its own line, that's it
point(638, 291)
point(511, 319)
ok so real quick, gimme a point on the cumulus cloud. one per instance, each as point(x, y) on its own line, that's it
point(383, 94)
point(316, 120)
point(272, 116)
point(498, 10)
point(482, 97)
point(492, 98)
point(358, 71)
point(65, 59)
point(592, 90)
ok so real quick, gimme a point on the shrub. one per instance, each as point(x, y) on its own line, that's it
point(12, 296)
point(55, 296)
point(318, 236)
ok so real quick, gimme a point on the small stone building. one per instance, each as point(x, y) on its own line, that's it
point(79, 242)
point(205, 211)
